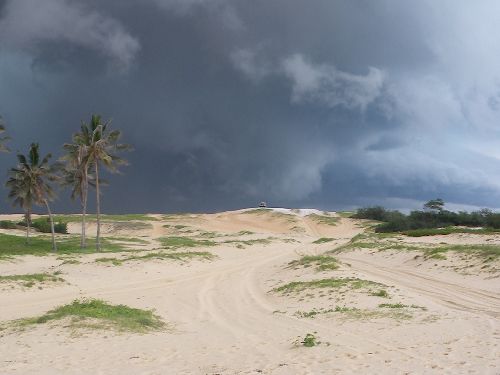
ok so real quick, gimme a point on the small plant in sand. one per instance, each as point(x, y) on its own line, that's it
point(309, 341)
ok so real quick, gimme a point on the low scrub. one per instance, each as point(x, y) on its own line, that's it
point(332, 283)
point(11, 245)
point(323, 219)
point(322, 262)
point(178, 242)
point(98, 314)
point(29, 280)
point(434, 216)
point(181, 256)
point(323, 240)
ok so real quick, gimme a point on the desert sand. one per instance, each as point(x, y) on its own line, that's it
point(224, 317)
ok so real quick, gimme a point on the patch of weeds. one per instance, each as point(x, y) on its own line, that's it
point(11, 245)
point(323, 240)
point(119, 317)
point(178, 242)
point(114, 261)
point(381, 293)
point(400, 306)
point(71, 261)
point(322, 219)
point(298, 286)
point(322, 262)
point(129, 239)
point(244, 233)
point(242, 243)
point(29, 280)
point(181, 256)
point(448, 230)
point(309, 341)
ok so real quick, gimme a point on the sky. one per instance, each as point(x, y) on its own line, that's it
point(320, 103)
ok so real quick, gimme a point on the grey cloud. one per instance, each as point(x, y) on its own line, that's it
point(330, 103)
point(26, 23)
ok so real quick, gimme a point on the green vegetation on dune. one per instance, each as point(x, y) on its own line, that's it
point(323, 219)
point(179, 242)
point(104, 218)
point(322, 262)
point(181, 256)
point(323, 240)
point(98, 314)
point(448, 230)
point(16, 245)
point(28, 280)
point(298, 286)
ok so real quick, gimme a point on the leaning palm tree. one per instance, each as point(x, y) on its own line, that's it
point(29, 184)
point(102, 150)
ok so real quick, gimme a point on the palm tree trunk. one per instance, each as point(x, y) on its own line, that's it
point(98, 208)
point(27, 217)
point(83, 243)
point(54, 246)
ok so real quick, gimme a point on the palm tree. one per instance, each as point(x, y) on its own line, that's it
point(29, 184)
point(76, 172)
point(101, 150)
point(3, 148)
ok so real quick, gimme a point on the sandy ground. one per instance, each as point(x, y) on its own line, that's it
point(225, 319)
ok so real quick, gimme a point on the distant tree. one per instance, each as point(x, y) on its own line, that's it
point(29, 183)
point(434, 205)
point(102, 151)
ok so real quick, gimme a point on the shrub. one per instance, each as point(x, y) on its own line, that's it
point(6, 224)
point(43, 225)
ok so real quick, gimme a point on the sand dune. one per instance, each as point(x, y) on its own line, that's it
point(225, 318)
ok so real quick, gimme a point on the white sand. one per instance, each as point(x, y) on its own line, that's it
point(225, 321)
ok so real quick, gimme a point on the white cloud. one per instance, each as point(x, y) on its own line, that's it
point(326, 85)
point(28, 22)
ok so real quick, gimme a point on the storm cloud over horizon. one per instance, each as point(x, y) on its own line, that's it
point(328, 104)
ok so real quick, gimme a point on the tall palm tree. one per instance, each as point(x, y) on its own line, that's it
point(102, 150)
point(29, 184)
point(76, 172)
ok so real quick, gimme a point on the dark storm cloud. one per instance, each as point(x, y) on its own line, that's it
point(325, 103)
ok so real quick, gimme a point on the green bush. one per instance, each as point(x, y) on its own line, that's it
point(43, 225)
point(6, 224)
point(395, 221)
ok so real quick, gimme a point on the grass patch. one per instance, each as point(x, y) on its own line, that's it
point(178, 242)
point(400, 306)
point(85, 313)
point(104, 218)
point(129, 239)
point(323, 219)
point(322, 262)
point(323, 240)
point(181, 256)
point(11, 245)
point(332, 283)
point(242, 243)
point(356, 313)
point(29, 280)
point(114, 261)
